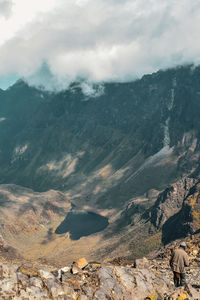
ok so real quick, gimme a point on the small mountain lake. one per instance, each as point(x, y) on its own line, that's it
point(82, 223)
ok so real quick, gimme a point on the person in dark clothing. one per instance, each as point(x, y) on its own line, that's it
point(179, 260)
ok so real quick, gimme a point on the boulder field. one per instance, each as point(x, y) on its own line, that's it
point(141, 279)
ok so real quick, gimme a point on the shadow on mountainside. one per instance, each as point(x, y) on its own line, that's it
point(175, 228)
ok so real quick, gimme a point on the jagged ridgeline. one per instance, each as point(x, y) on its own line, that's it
point(110, 147)
point(115, 149)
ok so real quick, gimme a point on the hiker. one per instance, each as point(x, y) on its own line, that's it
point(179, 260)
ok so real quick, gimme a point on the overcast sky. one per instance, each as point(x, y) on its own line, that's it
point(54, 42)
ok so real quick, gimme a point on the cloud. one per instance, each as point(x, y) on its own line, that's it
point(100, 40)
point(5, 8)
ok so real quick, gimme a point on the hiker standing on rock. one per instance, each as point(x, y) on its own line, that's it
point(179, 260)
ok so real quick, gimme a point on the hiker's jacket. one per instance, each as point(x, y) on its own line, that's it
point(179, 261)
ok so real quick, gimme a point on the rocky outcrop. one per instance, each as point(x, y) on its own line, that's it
point(187, 220)
point(190, 212)
point(176, 212)
point(170, 201)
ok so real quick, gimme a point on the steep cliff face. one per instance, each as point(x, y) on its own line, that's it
point(175, 213)
point(186, 220)
point(106, 148)
point(170, 201)
point(192, 205)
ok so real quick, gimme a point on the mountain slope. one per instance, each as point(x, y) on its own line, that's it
point(111, 153)
point(107, 149)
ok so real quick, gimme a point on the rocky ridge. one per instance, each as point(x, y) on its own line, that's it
point(141, 279)
point(170, 201)
point(177, 208)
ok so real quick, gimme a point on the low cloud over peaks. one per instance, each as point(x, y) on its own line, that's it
point(101, 40)
point(5, 8)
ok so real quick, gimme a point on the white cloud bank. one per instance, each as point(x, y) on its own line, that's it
point(100, 40)
point(5, 8)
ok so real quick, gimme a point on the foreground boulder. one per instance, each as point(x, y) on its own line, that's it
point(81, 263)
point(142, 263)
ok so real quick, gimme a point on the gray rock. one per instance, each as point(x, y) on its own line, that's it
point(8, 285)
point(57, 290)
point(76, 270)
point(126, 277)
point(192, 292)
point(37, 282)
point(46, 274)
point(34, 293)
point(142, 263)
